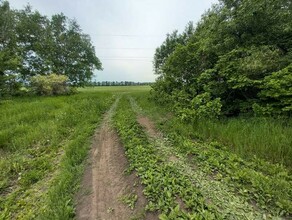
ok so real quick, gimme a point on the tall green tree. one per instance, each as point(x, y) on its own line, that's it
point(9, 59)
point(232, 54)
point(71, 52)
point(169, 45)
point(31, 38)
point(32, 44)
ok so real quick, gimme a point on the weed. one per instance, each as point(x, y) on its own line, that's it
point(129, 199)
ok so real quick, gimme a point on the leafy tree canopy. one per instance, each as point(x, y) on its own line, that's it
point(239, 53)
point(32, 44)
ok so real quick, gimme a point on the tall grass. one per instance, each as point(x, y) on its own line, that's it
point(43, 142)
point(266, 138)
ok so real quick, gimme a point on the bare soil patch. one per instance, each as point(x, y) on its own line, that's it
point(105, 183)
point(149, 126)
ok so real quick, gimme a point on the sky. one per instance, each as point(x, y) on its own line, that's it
point(124, 33)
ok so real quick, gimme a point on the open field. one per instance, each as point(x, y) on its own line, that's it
point(143, 163)
point(43, 142)
point(117, 89)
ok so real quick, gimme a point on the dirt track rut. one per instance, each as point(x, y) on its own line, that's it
point(105, 182)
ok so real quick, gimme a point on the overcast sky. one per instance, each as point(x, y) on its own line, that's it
point(125, 33)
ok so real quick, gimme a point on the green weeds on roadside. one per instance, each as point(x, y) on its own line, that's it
point(129, 199)
point(266, 138)
point(162, 181)
point(267, 185)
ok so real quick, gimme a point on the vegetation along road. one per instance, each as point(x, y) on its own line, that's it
point(144, 163)
point(211, 138)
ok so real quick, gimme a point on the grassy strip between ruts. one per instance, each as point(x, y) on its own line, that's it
point(268, 185)
point(166, 188)
point(41, 164)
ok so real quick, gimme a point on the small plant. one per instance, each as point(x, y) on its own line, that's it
point(129, 199)
point(110, 210)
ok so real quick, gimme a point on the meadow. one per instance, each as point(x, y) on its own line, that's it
point(232, 168)
point(43, 142)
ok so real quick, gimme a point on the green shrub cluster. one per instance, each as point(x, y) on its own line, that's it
point(9, 86)
point(52, 84)
point(239, 55)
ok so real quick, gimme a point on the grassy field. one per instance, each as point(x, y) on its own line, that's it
point(43, 142)
point(118, 89)
point(233, 169)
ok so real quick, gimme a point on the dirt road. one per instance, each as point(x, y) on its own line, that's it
point(106, 191)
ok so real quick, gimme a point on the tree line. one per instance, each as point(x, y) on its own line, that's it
point(32, 44)
point(116, 83)
point(236, 60)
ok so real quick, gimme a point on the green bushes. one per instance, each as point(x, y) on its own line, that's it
point(52, 84)
point(9, 85)
point(277, 92)
point(240, 57)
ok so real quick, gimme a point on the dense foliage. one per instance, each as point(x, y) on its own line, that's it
point(237, 60)
point(52, 84)
point(32, 44)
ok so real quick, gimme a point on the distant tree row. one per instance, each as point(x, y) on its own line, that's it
point(32, 44)
point(238, 59)
point(116, 83)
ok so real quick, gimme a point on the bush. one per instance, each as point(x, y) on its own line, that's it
point(9, 85)
point(277, 88)
point(52, 84)
point(202, 106)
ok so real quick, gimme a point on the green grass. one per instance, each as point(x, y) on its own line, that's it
point(257, 181)
point(190, 179)
point(117, 89)
point(43, 142)
point(265, 138)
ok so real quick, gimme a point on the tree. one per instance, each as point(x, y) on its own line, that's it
point(9, 58)
point(70, 51)
point(31, 39)
point(229, 58)
point(168, 46)
point(32, 44)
